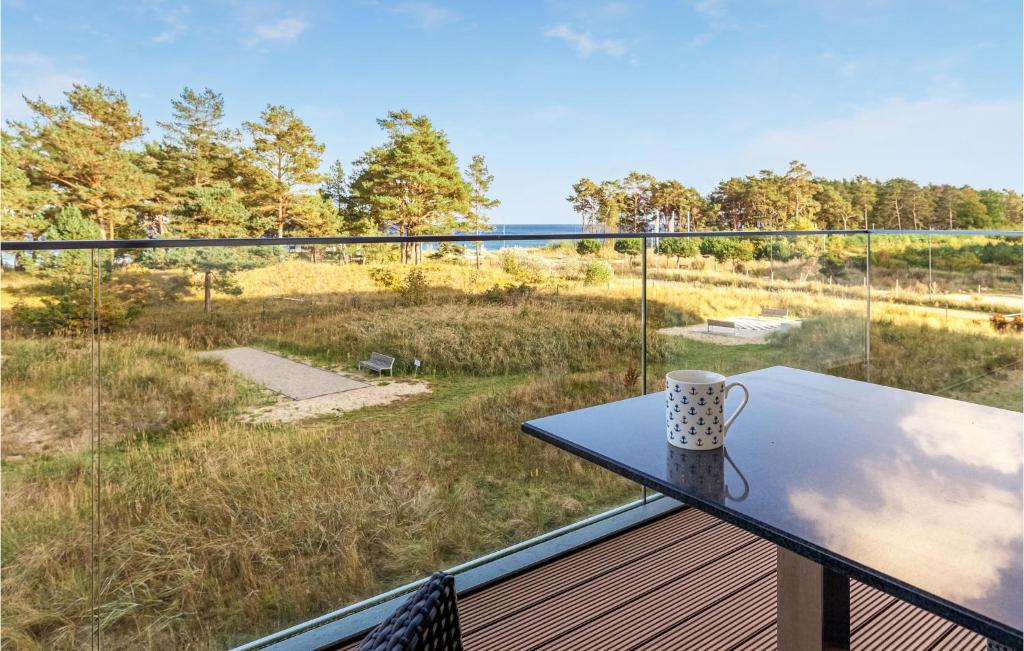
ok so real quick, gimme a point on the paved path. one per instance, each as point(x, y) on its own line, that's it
point(296, 380)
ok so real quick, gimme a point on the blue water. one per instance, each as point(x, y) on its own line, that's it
point(540, 229)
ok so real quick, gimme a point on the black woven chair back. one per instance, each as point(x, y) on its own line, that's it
point(427, 621)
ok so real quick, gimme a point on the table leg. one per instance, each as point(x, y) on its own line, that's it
point(813, 605)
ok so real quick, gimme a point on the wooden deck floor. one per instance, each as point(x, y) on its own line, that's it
point(685, 581)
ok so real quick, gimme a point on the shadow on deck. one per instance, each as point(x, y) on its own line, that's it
point(684, 581)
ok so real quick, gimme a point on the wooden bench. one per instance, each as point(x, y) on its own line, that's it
point(775, 312)
point(379, 363)
point(721, 324)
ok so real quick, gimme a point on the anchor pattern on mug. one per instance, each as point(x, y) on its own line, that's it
point(695, 411)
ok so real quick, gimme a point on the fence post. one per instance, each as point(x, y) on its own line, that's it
point(867, 321)
point(643, 327)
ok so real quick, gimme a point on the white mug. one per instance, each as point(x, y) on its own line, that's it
point(695, 409)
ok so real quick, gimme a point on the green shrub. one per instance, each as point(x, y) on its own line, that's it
point(414, 289)
point(728, 248)
point(521, 267)
point(629, 246)
point(70, 312)
point(773, 250)
point(596, 273)
point(509, 294)
point(832, 265)
point(385, 277)
point(679, 247)
point(588, 247)
point(1002, 253)
point(449, 251)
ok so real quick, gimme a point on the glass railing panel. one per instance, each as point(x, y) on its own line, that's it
point(736, 304)
point(48, 318)
point(233, 510)
point(944, 316)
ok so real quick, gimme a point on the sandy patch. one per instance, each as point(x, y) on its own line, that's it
point(287, 411)
point(700, 333)
point(750, 330)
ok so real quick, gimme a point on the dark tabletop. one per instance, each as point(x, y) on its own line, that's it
point(915, 494)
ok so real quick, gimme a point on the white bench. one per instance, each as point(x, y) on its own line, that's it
point(379, 363)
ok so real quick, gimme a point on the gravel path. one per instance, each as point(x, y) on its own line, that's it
point(294, 379)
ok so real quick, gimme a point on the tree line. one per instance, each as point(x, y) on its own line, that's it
point(203, 179)
point(795, 200)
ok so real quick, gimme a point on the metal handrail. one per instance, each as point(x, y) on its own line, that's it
point(42, 245)
point(51, 245)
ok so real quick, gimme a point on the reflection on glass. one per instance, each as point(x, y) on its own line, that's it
point(735, 304)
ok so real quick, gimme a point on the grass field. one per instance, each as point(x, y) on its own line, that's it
point(214, 530)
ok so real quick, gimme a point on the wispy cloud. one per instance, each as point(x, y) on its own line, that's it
point(584, 43)
point(843, 67)
point(33, 75)
point(715, 13)
point(280, 30)
point(714, 9)
point(614, 9)
point(425, 15)
point(174, 20)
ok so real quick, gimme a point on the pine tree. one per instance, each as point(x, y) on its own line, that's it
point(22, 202)
point(480, 179)
point(79, 149)
point(200, 150)
point(412, 184)
point(287, 154)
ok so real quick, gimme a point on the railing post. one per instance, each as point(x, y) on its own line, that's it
point(643, 311)
point(643, 327)
point(867, 320)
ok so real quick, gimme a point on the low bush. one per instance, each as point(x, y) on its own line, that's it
point(414, 288)
point(679, 247)
point(509, 294)
point(596, 273)
point(521, 266)
point(449, 251)
point(588, 247)
point(386, 277)
point(727, 248)
point(773, 249)
point(629, 246)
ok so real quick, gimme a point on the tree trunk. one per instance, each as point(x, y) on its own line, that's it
point(899, 221)
point(208, 291)
point(478, 247)
point(280, 216)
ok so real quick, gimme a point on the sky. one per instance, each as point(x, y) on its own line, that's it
point(552, 91)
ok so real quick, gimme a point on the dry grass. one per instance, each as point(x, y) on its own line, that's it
point(228, 530)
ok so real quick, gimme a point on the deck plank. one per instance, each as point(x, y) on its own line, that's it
point(684, 581)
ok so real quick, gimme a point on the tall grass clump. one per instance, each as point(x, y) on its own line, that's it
point(145, 387)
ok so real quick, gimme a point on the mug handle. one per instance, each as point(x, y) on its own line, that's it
point(746, 398)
